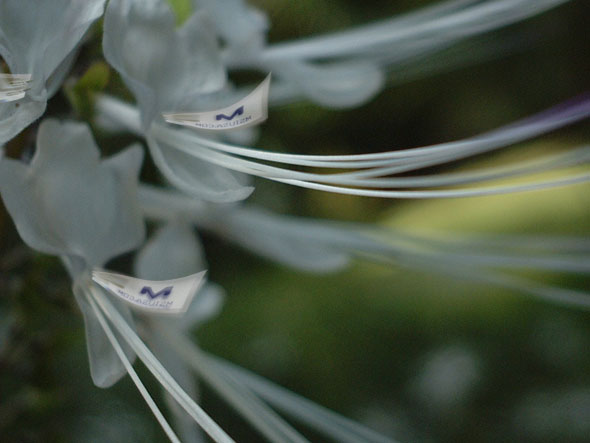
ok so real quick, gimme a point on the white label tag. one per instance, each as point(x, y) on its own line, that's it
point(165, 296)
point(13, 86)
point(251, 110)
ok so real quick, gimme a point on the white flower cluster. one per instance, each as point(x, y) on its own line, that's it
point(69, 203)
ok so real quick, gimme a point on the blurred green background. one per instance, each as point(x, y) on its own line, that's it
point(417, 356)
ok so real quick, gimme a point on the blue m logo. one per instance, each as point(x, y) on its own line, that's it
point(237, 112)
point(164, 292)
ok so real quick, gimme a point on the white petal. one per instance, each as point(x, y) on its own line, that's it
point(202, 71)
point(67, 203)
point(18, 193)
point(161, 65)
point(58, 76)
point(14, 117)
point(242, 26)
point(37, 35)
point(138, 41)
point(287, 241)
point(173, 252)
point(336, 85)
point(64, 145)
point(197, 177)
point(206, 305)
point(106, 367)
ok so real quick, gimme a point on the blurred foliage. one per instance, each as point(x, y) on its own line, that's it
point(80, 93)
point(376, 343)
point(182, 9)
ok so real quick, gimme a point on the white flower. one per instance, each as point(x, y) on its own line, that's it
point(371, 175)
point(40, 37)
point(204, 167)
point(164, 67)
point(168, 69)
point(69, 203)
point(338, 84)
point(346, 68)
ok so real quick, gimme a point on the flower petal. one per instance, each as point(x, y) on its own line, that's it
point(106, 367)
point(206, 305)
point(335, 85)
point(128, 231)
point(173, 252)
point(135, 38)
point(161, 65)
point(241, 26)
point(288, 241)
point(202, 71)
point(37, 35)
point(197, 177)
point(67, 202)
point(16, 116)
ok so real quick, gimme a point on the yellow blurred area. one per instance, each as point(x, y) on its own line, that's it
point(563, 210)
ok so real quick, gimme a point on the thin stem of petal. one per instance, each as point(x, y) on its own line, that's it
point(257, 413)
point(156, 368)
point(138, 383)
point(307, 412)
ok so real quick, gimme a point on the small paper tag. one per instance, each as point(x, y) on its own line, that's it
point(13, 86)
point(251, 110)
point(165, 296)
